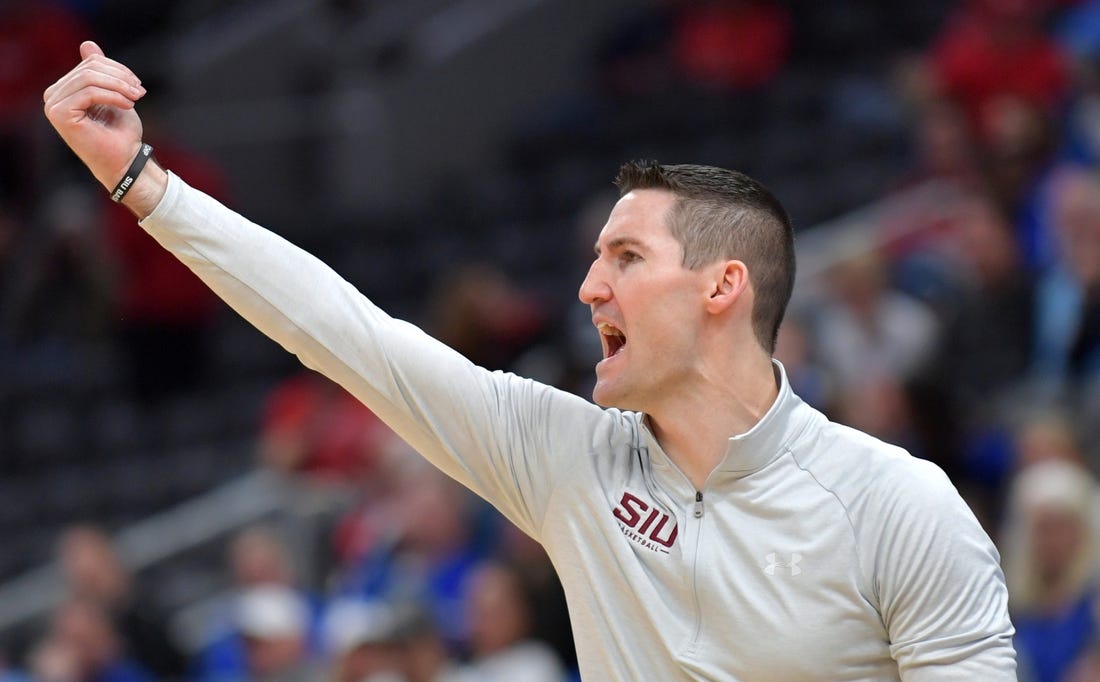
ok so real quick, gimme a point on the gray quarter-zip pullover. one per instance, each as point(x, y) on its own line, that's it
point(813, 551)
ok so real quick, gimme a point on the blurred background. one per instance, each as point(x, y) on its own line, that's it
point(180, 501)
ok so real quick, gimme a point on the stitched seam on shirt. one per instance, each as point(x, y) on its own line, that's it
point(565, 479)
point(851, 525)
point(569, 474)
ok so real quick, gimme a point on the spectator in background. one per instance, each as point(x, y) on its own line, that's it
point(83, 643)
point(274, 623)
point(258, 559)
point(991, 49)
point(361, 639)
point(1019, 161)
point(873, 343)
point(257, 556)
point(58, 293)
point(730, 45)
point(480, 313)
point(867, 330)
point(165, 313)
point(36, 40)
point(424, 654)
point(1047, 436)
point(329, 444)
point(984, 350)
point(1050, 556)
point(94, 573)
point(422, 551)
point(986, 345)
point(315, 428)
point(718, 46)
point(943, 145)
point(365, 537)
point(500, 621)
point(1067, 333)
point(995, 61)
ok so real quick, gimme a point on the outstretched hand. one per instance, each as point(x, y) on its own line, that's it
point(92, 108)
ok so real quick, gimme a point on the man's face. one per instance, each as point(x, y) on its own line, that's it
point(647, 306)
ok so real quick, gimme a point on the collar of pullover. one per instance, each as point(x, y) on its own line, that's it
point(759, 446)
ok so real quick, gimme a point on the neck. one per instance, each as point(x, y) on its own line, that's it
point(694, 425)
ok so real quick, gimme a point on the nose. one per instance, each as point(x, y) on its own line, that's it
point(594, 288)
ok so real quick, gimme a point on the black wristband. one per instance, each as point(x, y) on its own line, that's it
point(127, 182)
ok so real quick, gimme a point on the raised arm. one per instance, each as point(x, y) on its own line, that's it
point(92, 109)
point(493, 432)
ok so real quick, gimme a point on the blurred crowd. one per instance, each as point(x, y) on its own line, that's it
point(74, 273)
point(968, 333)
point(438, 601)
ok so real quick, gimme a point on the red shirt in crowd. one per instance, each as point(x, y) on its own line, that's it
point(37, 44)
point(330, 434)
point(736, 44)
point(988, 52)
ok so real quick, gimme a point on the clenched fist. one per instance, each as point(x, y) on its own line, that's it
point(92, 108)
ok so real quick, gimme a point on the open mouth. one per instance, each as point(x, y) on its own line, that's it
point(613, 339)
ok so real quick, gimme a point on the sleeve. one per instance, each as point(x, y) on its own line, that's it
point(493, 432)
point(941, 590)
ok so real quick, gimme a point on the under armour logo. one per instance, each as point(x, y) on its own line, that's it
point(774, 563)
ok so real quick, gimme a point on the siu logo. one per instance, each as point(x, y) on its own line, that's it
point(645, 524)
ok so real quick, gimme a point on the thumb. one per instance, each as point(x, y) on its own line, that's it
point(89, 48)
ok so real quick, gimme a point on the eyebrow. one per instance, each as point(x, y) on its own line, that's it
point(618, 243)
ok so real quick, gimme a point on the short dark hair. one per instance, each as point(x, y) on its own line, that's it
point(724, 214)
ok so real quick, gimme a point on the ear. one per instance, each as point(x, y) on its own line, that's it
point(731, 279)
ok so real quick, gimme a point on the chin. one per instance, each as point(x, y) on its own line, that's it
point(603, 396)
point(608, 396)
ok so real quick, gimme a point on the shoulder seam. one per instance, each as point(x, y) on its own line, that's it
point(851, 525)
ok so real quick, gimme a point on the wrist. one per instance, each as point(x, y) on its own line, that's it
point(147, 191)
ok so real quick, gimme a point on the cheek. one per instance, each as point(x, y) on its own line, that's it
point(660, 314)
point(667, 330)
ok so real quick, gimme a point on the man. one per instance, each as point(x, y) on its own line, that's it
point(707, 524)
point(84, 646)
point(93, 570)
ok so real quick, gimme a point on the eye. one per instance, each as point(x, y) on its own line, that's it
point(627, 257)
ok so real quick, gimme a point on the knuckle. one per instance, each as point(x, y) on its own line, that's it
point(89, 79)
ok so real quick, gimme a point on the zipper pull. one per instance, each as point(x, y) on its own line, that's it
point(698, 504)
